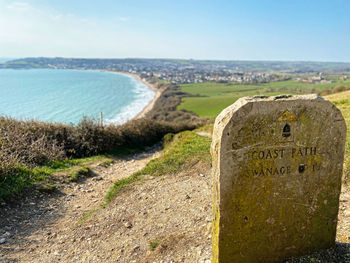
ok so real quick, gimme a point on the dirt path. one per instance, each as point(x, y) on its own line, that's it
point(159, 219)
point(36, 230)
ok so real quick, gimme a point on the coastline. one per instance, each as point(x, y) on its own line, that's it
point(153, 87)
point(142, 103)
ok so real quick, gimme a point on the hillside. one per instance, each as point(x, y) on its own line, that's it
point(89, 63)
point(159, 212)
point(208, 99)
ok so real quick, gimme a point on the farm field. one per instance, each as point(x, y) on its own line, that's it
point(214, 97)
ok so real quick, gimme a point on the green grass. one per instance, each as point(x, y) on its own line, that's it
point(112, 192)
point(120, 185)
point(214, 97)
point(184, 147)
point(85, 217)
point(163, 82)
point(17, 180)
point(154, 244)
point(79, 174)
point(64, 165)
point(341, 102)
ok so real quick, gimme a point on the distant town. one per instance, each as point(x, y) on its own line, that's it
point(194, 71)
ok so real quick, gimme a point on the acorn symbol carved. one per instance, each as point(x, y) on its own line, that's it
point(286, 131)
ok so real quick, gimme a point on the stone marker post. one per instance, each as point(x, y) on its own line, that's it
point(277, 168)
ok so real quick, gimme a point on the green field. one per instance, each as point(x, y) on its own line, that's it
point(214, 97)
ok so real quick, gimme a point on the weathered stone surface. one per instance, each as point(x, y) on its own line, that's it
point(277, 168)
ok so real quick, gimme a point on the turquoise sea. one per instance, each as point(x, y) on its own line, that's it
point(68, 95)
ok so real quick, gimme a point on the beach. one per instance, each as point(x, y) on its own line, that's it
point(153, 87)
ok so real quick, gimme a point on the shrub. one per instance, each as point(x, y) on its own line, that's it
point(33, 143)
point(340, 88)
point(26, 144)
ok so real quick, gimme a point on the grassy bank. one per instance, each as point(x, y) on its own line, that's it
point(31, 151)
point(17, 179)
point(214, 97)
point(180, 151)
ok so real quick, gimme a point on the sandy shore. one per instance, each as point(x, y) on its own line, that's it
point(153, 87)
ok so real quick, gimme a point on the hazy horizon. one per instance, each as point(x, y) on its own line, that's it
point(4, 59)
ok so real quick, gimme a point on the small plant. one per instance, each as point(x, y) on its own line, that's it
point(80, 173)
point(85, 217)
point(106, 163)
point(153, 244)
point(168, 138)
point(46, 188)
point(120, 185)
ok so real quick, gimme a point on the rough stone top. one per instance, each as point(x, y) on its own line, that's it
point(283, 97)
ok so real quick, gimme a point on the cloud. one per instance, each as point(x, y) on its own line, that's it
point(18, 5)
point(27, 30)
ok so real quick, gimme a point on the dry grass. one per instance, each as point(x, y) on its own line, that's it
point(336, 89)
point(342, 101)
point(339, 96)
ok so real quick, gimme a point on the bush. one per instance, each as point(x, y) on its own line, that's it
point(27, 144)
point(32, 143)
point(165, 108)
point(336, 89)
point(340, 88)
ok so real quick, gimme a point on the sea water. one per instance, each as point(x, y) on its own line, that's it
point(68, 95)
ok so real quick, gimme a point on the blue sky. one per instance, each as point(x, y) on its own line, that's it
point(199, 29)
